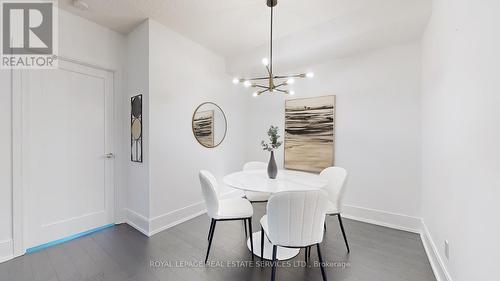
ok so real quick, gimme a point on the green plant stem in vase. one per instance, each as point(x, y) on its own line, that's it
point(274, 143)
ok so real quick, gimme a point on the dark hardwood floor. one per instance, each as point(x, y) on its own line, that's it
point(123, 254)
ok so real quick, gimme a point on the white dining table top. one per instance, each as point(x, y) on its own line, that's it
point(287, 180)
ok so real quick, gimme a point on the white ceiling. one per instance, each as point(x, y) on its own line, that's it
point(235, 27)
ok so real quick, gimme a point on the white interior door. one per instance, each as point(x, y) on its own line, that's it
point(67, 132)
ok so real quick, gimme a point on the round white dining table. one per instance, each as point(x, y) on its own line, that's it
point(287, 180)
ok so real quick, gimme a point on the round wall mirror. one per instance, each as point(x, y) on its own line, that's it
point(209, 124)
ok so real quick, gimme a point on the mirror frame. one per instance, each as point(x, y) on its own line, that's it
point(225, 124)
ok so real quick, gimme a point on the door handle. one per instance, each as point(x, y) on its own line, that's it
point(109, 155)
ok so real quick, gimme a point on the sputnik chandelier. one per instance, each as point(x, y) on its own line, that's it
point(273, 83)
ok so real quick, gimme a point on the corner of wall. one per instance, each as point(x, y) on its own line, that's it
point(137, 82)
point(152, 226)
point(437, 264)
point(173, 218)
point(138, 221)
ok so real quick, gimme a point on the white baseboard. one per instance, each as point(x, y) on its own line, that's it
point(6, 251)
point(171, 219)
point(406, 223)
point(392, 220)
point(150, 227)
point(383, 218)
point(164, 219)
point(138, 221)
point(438, 267)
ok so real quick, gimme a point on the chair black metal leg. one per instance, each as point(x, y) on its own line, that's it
point(343, 233)
point(306, 254)
point(210, 240)
point(210, 230)
point(273, 272)
point(245, 224)
point(251, 235)
point(309, 253)
point(321, 263)
point(261, 244)
point(325, 225)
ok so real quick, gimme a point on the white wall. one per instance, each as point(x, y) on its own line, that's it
point(461, 137)
point(89, 42)
point(183, 75)
point(138, 193)
point(377, 131)
point(5, 166)
point(82, 41)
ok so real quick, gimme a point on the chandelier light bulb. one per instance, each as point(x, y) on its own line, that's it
point(247, 83)
point(255, 94)
point(290, 81)
point(265, 61)
point(236, 81)
point(310, 75)
point(292, 93)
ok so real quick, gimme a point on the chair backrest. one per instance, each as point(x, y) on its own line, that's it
point(209, 190)
point(335, 188)
point(254, 165)
point(296, 218)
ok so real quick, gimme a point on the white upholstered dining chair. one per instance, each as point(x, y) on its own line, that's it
point(335, 189)
point(223, 210)
point(295, 219)
point(252, 196)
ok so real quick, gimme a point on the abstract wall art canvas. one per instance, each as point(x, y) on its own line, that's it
point(309, 133)
point(136, 129)
point(203, 127)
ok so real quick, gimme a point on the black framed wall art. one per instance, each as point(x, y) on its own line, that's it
point(136, 128)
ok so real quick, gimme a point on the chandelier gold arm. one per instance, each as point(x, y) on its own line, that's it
point(259, 86)
point(281, 85)
point(261, 92)
point(282, 91)
point(254, 79)
point(302, 75)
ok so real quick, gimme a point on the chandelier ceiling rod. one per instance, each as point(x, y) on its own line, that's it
point(271, 41)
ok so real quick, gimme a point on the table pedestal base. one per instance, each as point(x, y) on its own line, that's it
point(282, 253)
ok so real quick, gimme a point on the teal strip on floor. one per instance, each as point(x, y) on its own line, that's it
point(66, 239)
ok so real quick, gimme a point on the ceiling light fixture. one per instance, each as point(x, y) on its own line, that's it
point(274, 83)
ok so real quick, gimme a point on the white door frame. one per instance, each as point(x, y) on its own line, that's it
point(18, 156)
